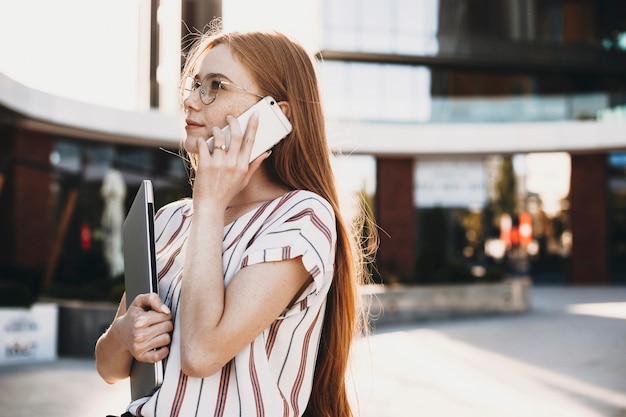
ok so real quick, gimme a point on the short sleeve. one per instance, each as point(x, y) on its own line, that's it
point(302, 226)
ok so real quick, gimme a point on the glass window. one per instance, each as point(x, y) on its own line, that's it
point(66, 156)
point(402, 26)
point(81, 169)
point(376, 92)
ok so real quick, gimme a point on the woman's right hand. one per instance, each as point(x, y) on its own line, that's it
point(145, 328)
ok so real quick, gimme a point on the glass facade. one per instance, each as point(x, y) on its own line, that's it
point(404, 94)
point(399, 26)
point(81, 168)
point(486, 61)
point(490, 61)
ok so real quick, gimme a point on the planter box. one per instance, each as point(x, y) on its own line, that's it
point(28, 334)
point(81, 324)
point(402, 304)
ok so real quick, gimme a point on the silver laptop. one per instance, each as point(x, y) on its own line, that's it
point(140, 277)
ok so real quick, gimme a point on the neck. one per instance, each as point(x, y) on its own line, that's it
point(259, 190)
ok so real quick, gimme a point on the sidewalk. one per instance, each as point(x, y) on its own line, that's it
point(566, 357)
point(64, 388)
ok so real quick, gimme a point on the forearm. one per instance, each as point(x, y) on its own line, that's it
point(202, 291)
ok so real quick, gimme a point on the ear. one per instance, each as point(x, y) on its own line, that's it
point(286, 108)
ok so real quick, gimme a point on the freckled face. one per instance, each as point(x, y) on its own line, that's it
point(201, 118)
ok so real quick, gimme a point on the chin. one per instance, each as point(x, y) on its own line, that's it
point(191, 145)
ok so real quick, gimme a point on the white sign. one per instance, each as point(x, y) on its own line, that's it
point(450, 182)
point(28, 335)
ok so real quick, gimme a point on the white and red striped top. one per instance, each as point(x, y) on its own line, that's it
point(273, 375)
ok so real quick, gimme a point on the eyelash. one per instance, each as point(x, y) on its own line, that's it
point(220, 85)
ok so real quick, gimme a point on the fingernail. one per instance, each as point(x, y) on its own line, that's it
point(165, 309)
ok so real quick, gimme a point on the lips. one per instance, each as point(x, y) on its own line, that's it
point(192, 124)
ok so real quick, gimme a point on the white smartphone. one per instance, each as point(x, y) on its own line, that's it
point(273, 126)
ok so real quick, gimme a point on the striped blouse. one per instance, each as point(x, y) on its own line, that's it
point(273, 375)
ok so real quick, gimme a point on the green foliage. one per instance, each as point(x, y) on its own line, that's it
point(366, 232)
point(506, 197)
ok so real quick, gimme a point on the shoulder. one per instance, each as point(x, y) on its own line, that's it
point(301, 213)
point(297, 224)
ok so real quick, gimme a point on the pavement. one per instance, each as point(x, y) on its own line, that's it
point(565, 357)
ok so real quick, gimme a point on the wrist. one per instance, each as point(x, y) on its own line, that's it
point(209, 209)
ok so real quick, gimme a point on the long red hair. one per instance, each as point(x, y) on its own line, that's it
point(284, 70)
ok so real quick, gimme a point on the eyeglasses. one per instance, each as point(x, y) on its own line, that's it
point(209, 88)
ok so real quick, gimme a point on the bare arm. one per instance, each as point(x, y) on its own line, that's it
point(215, 331)
point(216, 323)
point(142, 332)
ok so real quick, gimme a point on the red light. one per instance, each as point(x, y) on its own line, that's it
point(85, 237)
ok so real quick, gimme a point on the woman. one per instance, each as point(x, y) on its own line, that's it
point(257, 273)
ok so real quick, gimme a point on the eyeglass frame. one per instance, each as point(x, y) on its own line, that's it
point(198, 85)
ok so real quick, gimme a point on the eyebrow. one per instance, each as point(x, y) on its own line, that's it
point(212, 75)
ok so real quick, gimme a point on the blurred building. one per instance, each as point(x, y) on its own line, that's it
point(440, 93)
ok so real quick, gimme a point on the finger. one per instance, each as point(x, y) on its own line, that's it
point(205, 148)
point(249, 137)
point(151, 301)
point(159, 341)
point(146, 338)
point(152, 337)
point(162, 327)
point(154, 355)
point(144, 326)
point(211, 144)
point(233, 141)
point(148, 343)
point(251, 129)
point(219, 140)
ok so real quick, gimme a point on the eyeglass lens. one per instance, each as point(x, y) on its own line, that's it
point(208, 88)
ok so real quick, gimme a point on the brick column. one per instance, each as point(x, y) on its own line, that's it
point(395, 215)
point(588, 215)
point(30, 183)
point(7, 253)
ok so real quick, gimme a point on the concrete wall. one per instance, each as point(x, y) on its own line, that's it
point(408, 304)
point(80, 324)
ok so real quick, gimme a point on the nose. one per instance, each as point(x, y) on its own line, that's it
point(191, 101)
